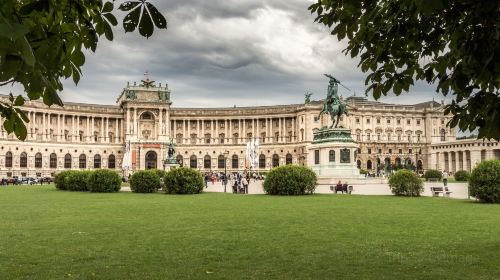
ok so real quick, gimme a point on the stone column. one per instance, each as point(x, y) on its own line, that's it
point(225, 131)
point(127, 121)
point(200, 130)
point(160, 124)
point(78, 128)
point(87, 128)
point(271, 133)
point(43, 127)
point(92, 129)
point(106, 136)
point(239, 131)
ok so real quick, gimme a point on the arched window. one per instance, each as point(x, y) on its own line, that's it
point(67, 161)
point(276, 160)
point(193, 161)
point(207, 162)
point(8, 159)
point(23, 160)
point(398, 162)
point(179, 160)
point(97, 161)
point(82, 161)
point(419, 165)
point(221, 162)
point(262, 161)
point(331, 155)
point(234, 162)
point(38, 160)
point(111, 162)
point(369, 164)
point(288, 159)
point(53, 160)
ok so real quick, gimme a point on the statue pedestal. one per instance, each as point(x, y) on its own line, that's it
point(169, 164)
point(332, 156)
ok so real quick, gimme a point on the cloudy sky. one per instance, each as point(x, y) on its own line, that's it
point(225, 53)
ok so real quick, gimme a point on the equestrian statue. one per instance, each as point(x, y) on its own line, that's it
point(333, 106)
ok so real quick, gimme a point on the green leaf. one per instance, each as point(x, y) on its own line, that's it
point(131, 20)
point(129, 5)
point(13, 31)
point(19, 101)
point(108, 7)
point(111, 18)
point(146, 27)
point(158, 19)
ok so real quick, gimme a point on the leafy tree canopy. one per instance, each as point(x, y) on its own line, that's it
point(453, 43)
point(42, 41)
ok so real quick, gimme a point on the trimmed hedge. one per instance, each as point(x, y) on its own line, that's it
point(103, 180)
point(431, 173)
point(406, 183)
point(184, 180)
point(290, 180)
point(78, 181)
point(484, 181)
point(461, 176)
point(60, 179)
point(145, 181)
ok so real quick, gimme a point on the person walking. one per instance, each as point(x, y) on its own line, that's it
point(244, 182)
point(445, 178)
point(162, 184)
point(206, 180)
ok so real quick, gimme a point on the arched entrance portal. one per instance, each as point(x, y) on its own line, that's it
point(151, 160)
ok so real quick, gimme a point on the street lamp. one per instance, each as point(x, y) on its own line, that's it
point(226, 153)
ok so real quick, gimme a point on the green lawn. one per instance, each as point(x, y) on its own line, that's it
point(50, 234)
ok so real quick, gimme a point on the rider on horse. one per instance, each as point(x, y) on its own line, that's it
point(333, 106)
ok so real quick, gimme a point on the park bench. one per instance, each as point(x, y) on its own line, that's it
point(437, 190)
point(344, 188)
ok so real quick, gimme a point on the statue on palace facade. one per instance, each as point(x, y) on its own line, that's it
point(307, 97)
point(333, 105)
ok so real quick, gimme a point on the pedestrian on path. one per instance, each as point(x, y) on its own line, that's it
point(445, 178)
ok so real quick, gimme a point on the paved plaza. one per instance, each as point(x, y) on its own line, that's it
point(368, 187)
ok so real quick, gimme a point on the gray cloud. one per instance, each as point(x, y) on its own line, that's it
point(225, 53)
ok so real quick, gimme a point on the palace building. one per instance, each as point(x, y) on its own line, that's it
point(88, 136)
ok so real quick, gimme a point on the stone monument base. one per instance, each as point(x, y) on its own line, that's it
point(332, 156)
point(169, 166)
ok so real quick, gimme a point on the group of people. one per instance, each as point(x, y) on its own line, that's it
point(239, 181)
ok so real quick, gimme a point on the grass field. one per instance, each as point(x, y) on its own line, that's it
point(50, 234)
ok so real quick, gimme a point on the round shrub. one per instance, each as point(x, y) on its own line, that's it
point(161, 173)
point(60, 179)
point(103, 180)
point(461, 176)
point(434, 174)
point(144, 181)
point(484, 181)
point(183, 180)
point(78, 181)
point(406, 183)
point(290, 180)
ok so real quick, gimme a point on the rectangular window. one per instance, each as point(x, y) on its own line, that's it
point(410, 151)
point(316, 156)
point(388, 121)
point(408, 122)
point(378, 121)
point(418, 122)
point(369, 150)
point(379, 151)
point(390, 151)
point(367, 120)
point(357, 121)
point(316, 119)
point(399, 121)
point(400, 151)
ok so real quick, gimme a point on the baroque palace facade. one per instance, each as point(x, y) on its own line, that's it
point(87, 136)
